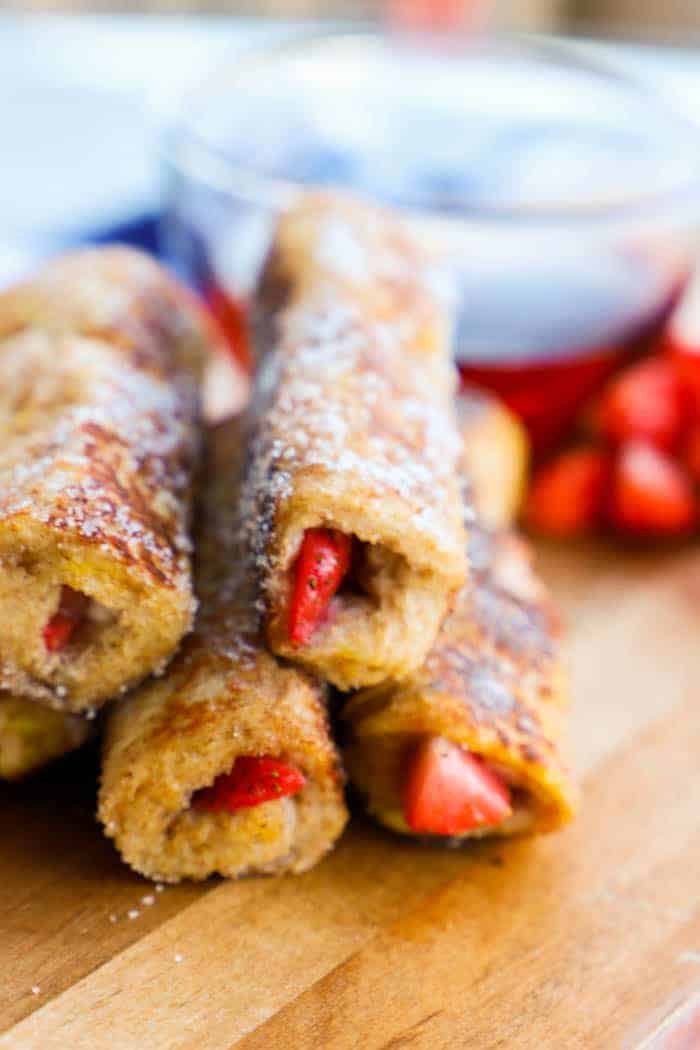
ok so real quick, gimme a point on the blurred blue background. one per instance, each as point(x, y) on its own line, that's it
point(86, 98)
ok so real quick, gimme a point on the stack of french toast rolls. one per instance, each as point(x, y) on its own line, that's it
point(352, 550)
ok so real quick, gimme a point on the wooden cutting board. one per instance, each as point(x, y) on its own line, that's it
point(590, 938)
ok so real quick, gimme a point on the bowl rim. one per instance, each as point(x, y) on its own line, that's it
point(193, 156)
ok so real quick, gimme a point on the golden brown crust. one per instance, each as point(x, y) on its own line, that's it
point(99, 440)
point(224, 695)
point(32, 735)
point(119, 296)
point(494, 683)
point(353, 428)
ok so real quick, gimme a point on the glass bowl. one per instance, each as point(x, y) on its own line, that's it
point(563, 196)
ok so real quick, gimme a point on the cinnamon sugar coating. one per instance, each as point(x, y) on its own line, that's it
point(99, 429)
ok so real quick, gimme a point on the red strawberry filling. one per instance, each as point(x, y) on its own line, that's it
point(322, 565)
point(254, 779)
point(450, 791)
point(61, 628)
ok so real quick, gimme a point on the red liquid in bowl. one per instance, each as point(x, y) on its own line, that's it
point(560, 332)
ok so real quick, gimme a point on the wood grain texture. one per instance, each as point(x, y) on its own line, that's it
point(587, 939)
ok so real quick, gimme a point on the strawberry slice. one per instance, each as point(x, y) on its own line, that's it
point(647, 403)
point(652, 495)
point(60, 629)
point(323, 562)
point(567, 494)
point(254, 779)
point(690, 453)
point(449, 791)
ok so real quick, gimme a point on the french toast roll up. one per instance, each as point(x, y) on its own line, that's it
point(31, 735)
point(101, 357)
point(225, 764)
point(473, 743)
point(352, 490)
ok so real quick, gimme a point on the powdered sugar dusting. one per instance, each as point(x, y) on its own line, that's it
point(114, 467)
point(358, 383)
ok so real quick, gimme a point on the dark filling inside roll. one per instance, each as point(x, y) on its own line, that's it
point(254, 779)
point(448, 790)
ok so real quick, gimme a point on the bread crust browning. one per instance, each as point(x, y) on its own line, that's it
point(99, 443)
point(119, 296)
point(32, 735)
point(224, 695)
point(352, 428)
